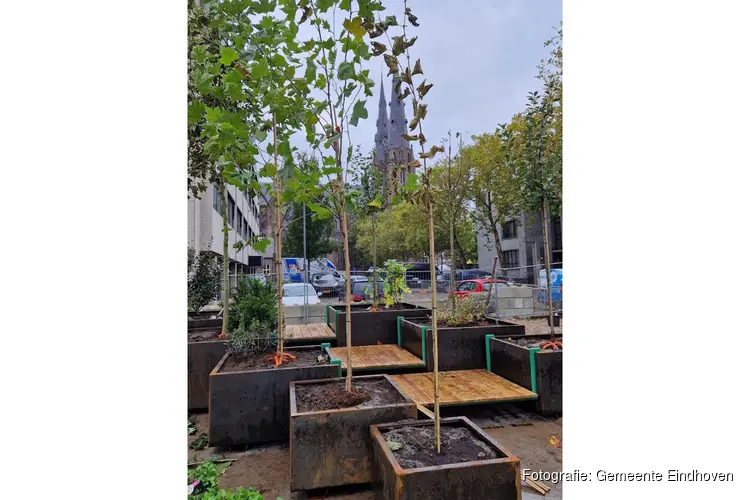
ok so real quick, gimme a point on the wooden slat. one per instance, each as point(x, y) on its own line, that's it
point(461, 387)
point(368, 357)
point(312, 331)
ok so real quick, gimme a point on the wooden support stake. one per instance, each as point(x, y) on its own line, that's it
point(426, 411)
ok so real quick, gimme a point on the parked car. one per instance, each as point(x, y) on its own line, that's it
point(358, 278)
point(328, 283)
point(471, 287)
point(363, 289)
point(418, 272)
point(293, 294)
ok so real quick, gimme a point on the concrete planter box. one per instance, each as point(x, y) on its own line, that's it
point(497, 479)
point(332, 447)
point(536, 370)
point(253, 406)
point(459, 348)
point(202, 358)
point(369, 327)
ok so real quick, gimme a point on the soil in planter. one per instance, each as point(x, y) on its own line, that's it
point(203, 335)
point(332, 396)
point(457, 445)
point(529, 343)
point(235, 363)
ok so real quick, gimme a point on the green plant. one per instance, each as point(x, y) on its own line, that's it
point(253, 300)
point(467, 310)
point(236, 494)
point(192, 429)
point(255, 338)
point(394, 282)
point(204, 278)
point(200, 442)
point(208, 474)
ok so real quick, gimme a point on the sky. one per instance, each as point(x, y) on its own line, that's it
point(481, 56)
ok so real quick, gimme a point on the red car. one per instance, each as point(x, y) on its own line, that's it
point(468, 287)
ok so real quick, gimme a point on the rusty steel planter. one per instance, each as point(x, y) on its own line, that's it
point(253, 406)
point(536, 370)
point(203, 323)
point(497, 479)
point(332, 447)
point(459, 348)
point(369, 327)
point(202, 358)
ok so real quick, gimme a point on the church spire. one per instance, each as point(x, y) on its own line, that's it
point(398, 121)
point(381, 131)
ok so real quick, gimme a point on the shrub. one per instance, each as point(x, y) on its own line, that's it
point(468, 310)
point(253, 300)
point(204, 278)
point(394, 282)
point(255, 338)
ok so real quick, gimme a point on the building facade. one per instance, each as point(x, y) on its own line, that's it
point(522, 244)
point(205, 225)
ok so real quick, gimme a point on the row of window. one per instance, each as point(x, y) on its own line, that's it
point(235, 219)
point(510, 258)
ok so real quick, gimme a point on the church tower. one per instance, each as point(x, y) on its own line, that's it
point(391, 149)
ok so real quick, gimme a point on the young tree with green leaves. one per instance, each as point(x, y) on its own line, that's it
point(539, 150)
point(419, 192)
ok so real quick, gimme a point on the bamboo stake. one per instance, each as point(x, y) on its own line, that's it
point(277, 205)
point(434, 318)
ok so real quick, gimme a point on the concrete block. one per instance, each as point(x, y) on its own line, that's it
point(518, 303)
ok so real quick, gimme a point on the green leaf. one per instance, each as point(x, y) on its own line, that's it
point(331, 140)
point(345, 5)
point(409, 137)
point(405, 94)
point(398, 45)
point(414, 164)
point(417, 68)
point(195, 111)
point(359, 111)
point(261, 244)
point(228, 56)
point(213, 114)
point(391, 21)
point(394, 446)
point(355, 27)
point(346, 70)
point(406, 76)
point(412, 17)
point(377, 202)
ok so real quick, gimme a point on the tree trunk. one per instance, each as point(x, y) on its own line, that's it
point(546, 267)
point(453, 267)
point(279, 274)
point(461, 252)
point(347, 298)
point(225, 253)
point(431, 229)
point(374, 284)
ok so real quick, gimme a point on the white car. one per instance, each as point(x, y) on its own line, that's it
point(293, 294)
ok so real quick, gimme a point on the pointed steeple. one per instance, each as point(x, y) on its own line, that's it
point(398, 122)
point(381, 131)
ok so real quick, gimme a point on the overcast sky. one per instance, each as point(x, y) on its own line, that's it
point(481, 55)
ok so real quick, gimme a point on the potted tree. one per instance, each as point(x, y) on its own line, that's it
point(482, 471)
point(249, 388)
point(462, 334)
point(370, 324)
point(330, 436)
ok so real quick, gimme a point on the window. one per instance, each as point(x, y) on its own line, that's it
point(510, 258)
point(238, 219)
point(510, 230)
point(244, 228)
point(557, 232)
point(217, 199)
point(468, 286)
point(230, 214)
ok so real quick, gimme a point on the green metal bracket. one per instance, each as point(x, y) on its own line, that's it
point(532, 367)
point(487, 338)
point(398, 328)
point(328, 321)
point(336, 322)
point(324, 345)
point(424, 341)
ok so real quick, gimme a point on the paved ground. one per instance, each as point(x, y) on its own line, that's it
point(266, 468)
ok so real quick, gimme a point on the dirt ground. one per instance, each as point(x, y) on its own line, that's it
point(266, 468)
point(535, 326)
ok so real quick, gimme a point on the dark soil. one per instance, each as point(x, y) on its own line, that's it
point(204, 335)
point(264, 361)
point(457, 445)
point(360, 307)
point(529, 343)
point(483, 322)
point(366, 393)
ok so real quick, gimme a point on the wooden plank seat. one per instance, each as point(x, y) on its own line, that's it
point(461, 387)
point(377, 357)
point(311, 332)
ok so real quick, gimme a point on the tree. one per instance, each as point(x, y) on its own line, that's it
point(318, 234)
point(204, 278)
point(539, 149)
